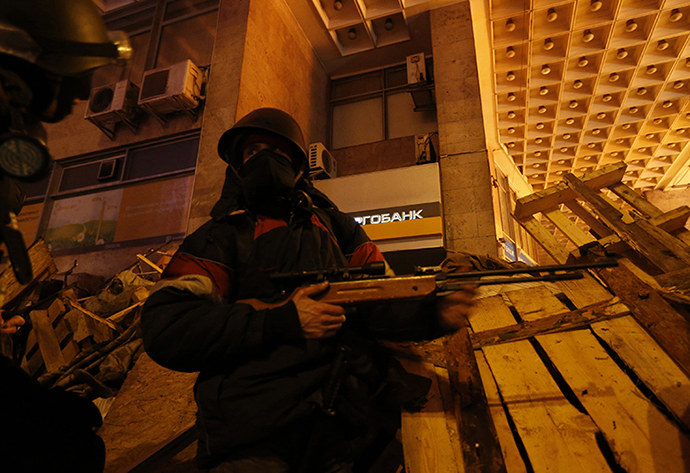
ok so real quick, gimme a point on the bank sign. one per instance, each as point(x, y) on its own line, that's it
point(404, 216)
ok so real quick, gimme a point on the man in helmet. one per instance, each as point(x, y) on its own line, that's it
point(48, 51)
point(266, 375)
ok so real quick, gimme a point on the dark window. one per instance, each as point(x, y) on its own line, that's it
point(163, 159)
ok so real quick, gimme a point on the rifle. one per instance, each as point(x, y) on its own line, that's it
point(368, 283)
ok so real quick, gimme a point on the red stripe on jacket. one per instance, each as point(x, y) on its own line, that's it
point(183, 264)
point(366, 253)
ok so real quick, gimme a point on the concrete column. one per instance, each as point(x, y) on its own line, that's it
point(221, 106)
point(465, 166)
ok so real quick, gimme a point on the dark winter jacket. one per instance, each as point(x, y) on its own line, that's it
point(257, 371)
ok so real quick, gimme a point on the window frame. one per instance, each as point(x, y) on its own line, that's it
point(383, 92)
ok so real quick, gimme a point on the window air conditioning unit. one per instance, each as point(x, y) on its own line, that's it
point(321, 163)
point(171, 89)
point(111, 104)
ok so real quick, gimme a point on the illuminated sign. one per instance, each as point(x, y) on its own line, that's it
point(397, 214)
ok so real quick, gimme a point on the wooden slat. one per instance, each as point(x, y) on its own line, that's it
point(670, 329)
point(655, 246)
point(556, 436)
point(568, 228)
point(648, 360)
point(635, 200)
point(425, 437)
point(641, 437)
point(558, 322)
point(583, 214)
point(474, 424)
point(511, 454)
point(560, 193)
point(672, 220)
point(43, 267)
point(545, 239)
point(47, 341)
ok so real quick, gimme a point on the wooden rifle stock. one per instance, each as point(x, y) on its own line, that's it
point(406, 288)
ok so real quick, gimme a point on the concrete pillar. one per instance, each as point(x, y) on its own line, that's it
point(465, 162)
point(221, 107)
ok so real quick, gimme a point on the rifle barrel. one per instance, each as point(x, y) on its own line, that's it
point(605, 263)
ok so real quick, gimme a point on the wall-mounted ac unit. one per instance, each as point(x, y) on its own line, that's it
point(416, 68)
point(111, 104)
point(322, 165)
point(171, 89)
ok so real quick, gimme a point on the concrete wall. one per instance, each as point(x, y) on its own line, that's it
point(465, 162)
point(261, 59)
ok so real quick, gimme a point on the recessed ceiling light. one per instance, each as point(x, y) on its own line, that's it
point(671, 145)
point(511, 144)
point(537, 153)
point(548, 44)
point(510, 52)
point(510, 25)
point(566, 136)
point(620, 141)
point(583, 61)
point(606, 98)
point(536, 165)
point(592, 145)
point(595, 5)
point(649, 136)
point(352, 33)
point(541, 109)
point(569, 121)
point(587, 36)
point(596, 131)
point(614, 154)
point(633, 110)
point(511, 97)
point(538, 140)
point(573, 104)
point(614, 77)
point(510, 76)
point(337, 5)
point(622, 53)
point(543, 90)
point(511, 114)
point(641, 91)
point(657, 121)
point(577, 84)
point(642, 149)
point(564, 150)
point(551, 15)
point(539, 126)
point(680, 131)
point(625, 126)
point(662, 45)
point(667, 104)
point(675, 15)
point(630, 26)
point(679, 84)
point(388, 24)
point(601, 115)
point(651, 69)
point(561, 161)
point(545, 69)
point(511, 130)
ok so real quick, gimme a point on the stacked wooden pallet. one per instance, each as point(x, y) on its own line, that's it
point(586, 375)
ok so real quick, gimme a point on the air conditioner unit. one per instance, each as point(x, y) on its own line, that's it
point(171, 89)
point(416, 68)
point(321, 164)
point(111, 104)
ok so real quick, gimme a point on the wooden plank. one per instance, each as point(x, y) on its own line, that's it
point(448, 399)
point(556, 436)
point(670, 329)
point(47, 341)
point(511, 454)
point(70, 351)
point(119, 316)
point(95, 317)
point(560, 193)
point(77, 323)
point(425, 437)
point(583, 214)
point(658, 250)
point(559, 322)
point(545, 239)
point(568, 228)
point(43, 267)
point(481, 448)
point(648, 360)
point(672, 220)
point(584, 292)
point(677, 279)
point(637, 432)
point(635, 200)
point(55, 309)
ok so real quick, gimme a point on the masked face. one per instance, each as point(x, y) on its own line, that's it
point(268, 179)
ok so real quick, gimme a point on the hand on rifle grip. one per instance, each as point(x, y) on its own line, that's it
point(318, 319)
point(454, 309)
point(9, 327)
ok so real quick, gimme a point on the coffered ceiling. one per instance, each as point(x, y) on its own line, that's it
point(581, 84)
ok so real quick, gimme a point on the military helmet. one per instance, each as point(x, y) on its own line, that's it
point(64, 37)
point(263, 119)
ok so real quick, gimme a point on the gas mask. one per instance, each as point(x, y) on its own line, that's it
point(267, 182)
point(23, 154)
